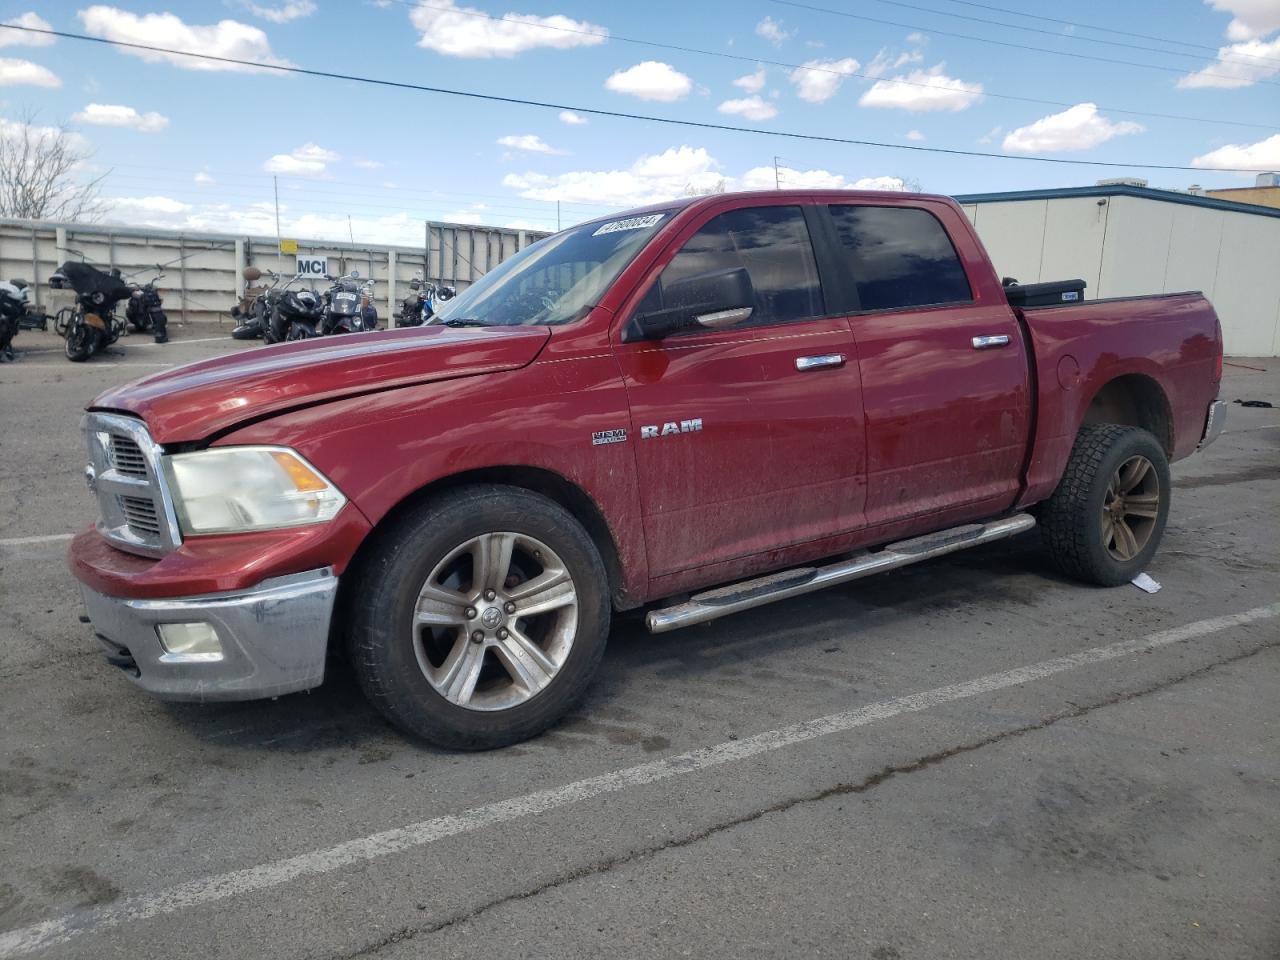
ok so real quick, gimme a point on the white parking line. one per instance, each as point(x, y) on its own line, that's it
point(206, 890)
point(24, 541)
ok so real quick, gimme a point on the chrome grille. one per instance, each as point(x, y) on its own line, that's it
point(127, 456)
point(140, 513)
point(124, 471)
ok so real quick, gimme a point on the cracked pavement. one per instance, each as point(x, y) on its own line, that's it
point(1126, 808)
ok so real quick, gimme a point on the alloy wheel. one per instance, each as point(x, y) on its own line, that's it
point(495, 621)
point(1130, 508)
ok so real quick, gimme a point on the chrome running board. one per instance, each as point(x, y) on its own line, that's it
point(791, 583)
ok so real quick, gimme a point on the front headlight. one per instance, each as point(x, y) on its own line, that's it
point(236, 489)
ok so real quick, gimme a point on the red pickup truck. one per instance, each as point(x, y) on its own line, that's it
point(699, 407)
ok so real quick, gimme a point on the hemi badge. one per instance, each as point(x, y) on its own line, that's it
point(608, 436)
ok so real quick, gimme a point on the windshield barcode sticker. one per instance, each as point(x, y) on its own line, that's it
point(631, 223)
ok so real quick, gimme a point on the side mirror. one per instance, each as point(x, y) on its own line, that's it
point(713, 301)
point(415, 284)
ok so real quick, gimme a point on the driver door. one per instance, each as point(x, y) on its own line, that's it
point(748, 438)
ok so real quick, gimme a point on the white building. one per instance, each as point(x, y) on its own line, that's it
point(1127, 240)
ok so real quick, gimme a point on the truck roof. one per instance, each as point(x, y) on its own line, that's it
point(681, 203)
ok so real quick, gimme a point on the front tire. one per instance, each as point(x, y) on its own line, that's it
point(1105, 520)
point(82, 341)
point(480, 618)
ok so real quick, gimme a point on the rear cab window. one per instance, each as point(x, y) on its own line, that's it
point(899, 257)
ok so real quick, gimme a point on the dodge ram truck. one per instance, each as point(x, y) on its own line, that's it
point(695, 408)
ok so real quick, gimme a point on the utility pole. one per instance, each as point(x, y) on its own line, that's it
point(777, 178)
point(557, 216)
point(275, 188)
point(351, 235)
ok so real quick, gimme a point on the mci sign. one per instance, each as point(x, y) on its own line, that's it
point(312, 267)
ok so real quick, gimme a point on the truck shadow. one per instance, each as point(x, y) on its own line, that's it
point(335, 722)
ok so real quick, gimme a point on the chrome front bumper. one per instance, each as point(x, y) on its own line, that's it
point(273, 638)
point(1214, 422)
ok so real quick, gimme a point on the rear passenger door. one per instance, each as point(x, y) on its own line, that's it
point(943, 365)
point(747, 438)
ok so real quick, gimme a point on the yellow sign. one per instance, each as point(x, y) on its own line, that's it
point(288, 246)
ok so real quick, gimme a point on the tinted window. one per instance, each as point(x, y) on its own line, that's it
point(772, 244)
point(900, 257)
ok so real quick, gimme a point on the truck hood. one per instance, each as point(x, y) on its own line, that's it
point(200, 399)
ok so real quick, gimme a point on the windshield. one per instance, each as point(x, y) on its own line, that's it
point(554, 281)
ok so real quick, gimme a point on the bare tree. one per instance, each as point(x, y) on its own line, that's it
point(38, 173)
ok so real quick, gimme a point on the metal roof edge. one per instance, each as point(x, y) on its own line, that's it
point(1120, 190)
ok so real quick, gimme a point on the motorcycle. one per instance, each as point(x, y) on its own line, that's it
point(13, 308)
point(419, 307)
point(347, 306)
point(92, 324)
point(145, 312)
point(296, 315)
point(253, 313)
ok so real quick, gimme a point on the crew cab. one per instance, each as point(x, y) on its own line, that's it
point(697, 408)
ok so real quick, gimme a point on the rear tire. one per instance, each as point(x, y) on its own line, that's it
point(435, 562)
point(1105, 520)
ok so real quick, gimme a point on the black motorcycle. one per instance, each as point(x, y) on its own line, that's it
point(347, 307)
point(13, 311)
point(145, 311)
point(253, 313)
point(92, 324)
point(296, 315)
point(420, 306)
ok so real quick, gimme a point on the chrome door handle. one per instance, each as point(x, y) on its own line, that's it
point(986, 343)
point(820, 361)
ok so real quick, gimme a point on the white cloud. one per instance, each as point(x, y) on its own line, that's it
point(1077, 128)
point(308, 160)
point(282, 12)
point(369, 164)
point(467, 32)
point(763, 178)
point(670, 174)
point(1239, 65)
point(818, 80)
point(915, 136)
point(1251, 18)
point(530, 142)
point(887, 60)
point(19, 38)
point(919, 39)
point(921, 91)
point(571, 118)
point(203, 179)
point(991, 135)
point(753, 108)
point(1263, 155)
point(651, 80)
point(117, 115)
point(130, 207)
point(226, 38)
point(473, 214)
point(772, 31)
point(752, 82)
point(15, 73)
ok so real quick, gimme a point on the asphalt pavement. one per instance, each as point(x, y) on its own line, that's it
point(974, 757)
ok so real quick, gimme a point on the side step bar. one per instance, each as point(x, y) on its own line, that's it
point(791, 583)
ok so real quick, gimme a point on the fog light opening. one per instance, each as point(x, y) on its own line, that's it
point(189, 643)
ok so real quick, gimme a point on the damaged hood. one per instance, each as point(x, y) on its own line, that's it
point(199, 399)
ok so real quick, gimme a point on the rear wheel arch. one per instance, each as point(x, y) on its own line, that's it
point(1134, 400)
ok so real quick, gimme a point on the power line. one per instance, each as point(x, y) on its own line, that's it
point(1068, 36)
point(742, 58)
point(999, 43)
point(1089, 26)
point(616, 114)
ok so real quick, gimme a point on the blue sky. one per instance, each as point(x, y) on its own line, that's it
point(196, 147)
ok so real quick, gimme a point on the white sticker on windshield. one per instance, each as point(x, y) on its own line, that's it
point(631, 223)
